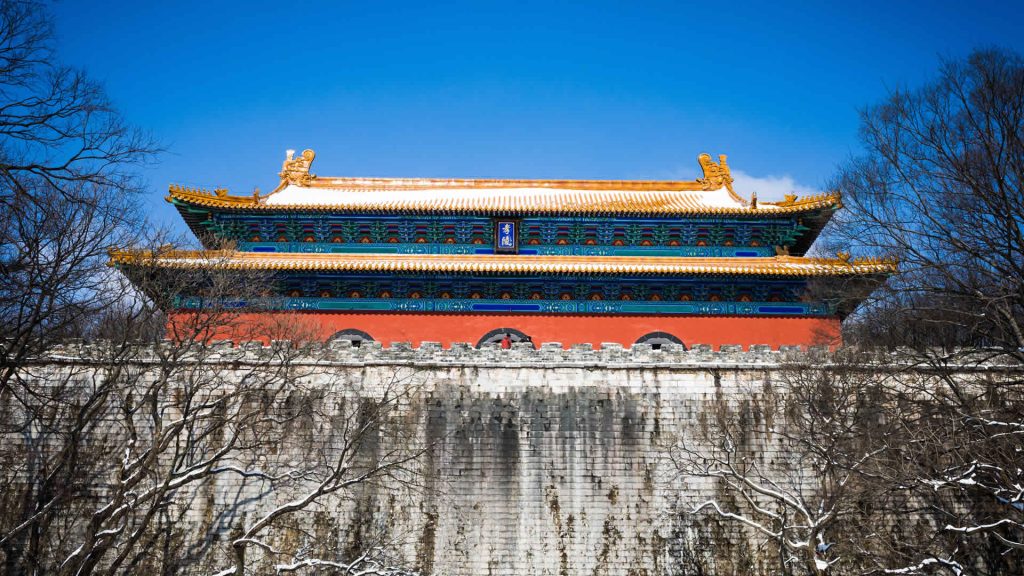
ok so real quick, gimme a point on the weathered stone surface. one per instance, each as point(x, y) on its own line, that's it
point(541, 462)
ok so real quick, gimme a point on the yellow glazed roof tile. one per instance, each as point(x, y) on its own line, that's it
point(712, 194)
point(506, 264)
point(540, 199)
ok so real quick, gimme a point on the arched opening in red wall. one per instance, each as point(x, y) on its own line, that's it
point(659, 339)
point(498, 334)
point(356, 337)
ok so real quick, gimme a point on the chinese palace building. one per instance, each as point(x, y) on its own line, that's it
point(570, 261)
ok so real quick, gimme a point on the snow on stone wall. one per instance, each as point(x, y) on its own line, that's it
point(543, 462)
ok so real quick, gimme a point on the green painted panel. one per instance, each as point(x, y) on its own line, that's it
point(357, 249)
point(673, 308)
point(350, 305)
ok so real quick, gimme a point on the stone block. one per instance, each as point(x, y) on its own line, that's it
point(340, 344)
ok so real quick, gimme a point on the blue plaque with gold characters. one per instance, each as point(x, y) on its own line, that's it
point(505, 237)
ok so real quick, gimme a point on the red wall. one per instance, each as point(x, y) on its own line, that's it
point(567, 329)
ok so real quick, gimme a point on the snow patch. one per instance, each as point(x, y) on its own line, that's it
point(300, 195)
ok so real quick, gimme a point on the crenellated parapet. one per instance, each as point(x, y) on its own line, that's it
point(520, 355)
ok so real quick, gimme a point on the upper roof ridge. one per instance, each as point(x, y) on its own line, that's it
point(296, 172)
point(299, 189)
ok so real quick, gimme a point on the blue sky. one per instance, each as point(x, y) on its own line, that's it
point(512, 90)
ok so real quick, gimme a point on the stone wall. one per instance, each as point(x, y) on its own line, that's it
point(540, 462)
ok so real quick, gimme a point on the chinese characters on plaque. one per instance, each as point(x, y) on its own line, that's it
point(505, 240)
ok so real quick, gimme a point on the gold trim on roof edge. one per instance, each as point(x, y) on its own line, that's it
point(767, 266)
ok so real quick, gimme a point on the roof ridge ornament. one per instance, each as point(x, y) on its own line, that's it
point(296, 170)
point(716, 175)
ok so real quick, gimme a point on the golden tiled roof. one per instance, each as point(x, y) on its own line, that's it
point(574, 201)
point(507, 264)
point(299, 190)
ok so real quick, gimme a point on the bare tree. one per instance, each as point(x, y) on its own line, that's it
point(873, 464)
point(103, 446)
point(939, 188)
point(66, 189)
point(347, 463)
point(58, 129)
point(106, 445)
point(957, 467)
point(789, 458)
point(101, 423)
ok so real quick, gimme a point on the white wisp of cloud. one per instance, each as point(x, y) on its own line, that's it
point(769, 188)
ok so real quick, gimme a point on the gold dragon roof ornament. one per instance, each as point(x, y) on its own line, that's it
point(296, 170)
point(716, 174)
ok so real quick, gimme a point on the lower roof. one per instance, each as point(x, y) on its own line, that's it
point(789, 266)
